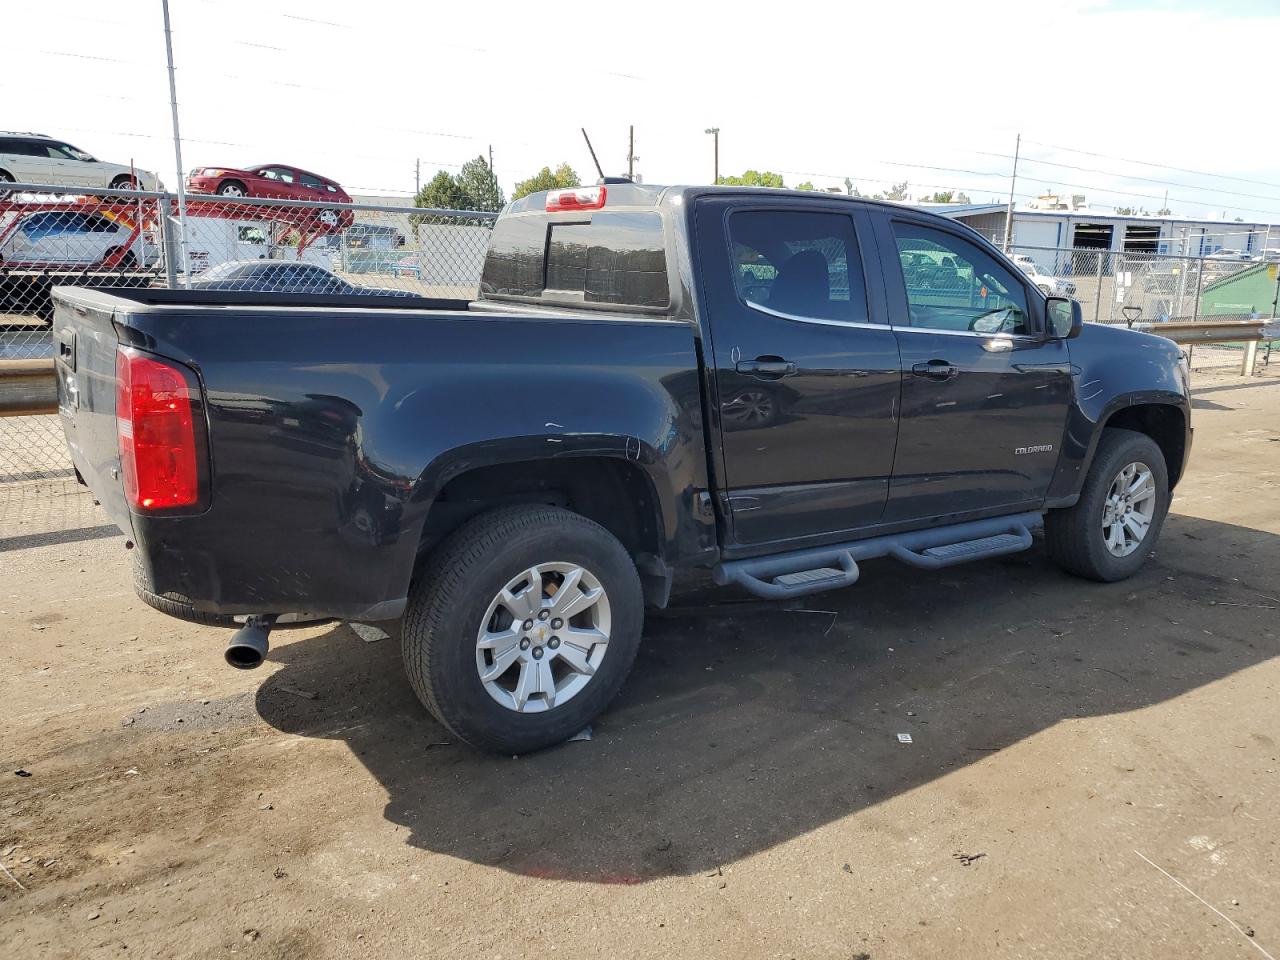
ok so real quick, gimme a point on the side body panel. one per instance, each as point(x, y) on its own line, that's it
point(332, 433)
point(1115, 368)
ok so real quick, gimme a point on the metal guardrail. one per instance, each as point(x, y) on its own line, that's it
point(1248, 332)
point(27, 387)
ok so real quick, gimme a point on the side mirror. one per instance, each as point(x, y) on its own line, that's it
point(1066, 320)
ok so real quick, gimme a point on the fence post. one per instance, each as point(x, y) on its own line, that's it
point(171, 250)
point(1199, 283)
point(1097, 300)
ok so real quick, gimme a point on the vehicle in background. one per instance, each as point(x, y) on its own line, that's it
point(73, 238)
point(274, 181)
point(278, 276)
point(1049, 285)
point(372, 236)
point(36, 158)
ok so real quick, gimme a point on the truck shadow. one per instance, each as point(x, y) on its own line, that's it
point(746, 724)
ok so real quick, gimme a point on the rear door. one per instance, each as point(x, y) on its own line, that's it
point(984, 392)
point(804, 367)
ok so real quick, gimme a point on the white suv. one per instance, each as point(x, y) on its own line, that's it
point(35, 158)
point(1049, 285)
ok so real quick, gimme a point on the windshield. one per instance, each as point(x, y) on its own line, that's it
point(75, 153)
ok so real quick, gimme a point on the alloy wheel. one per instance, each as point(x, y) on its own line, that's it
point(543, 637)
point(1129, 509)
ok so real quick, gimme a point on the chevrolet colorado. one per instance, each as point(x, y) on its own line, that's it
point(771, 386)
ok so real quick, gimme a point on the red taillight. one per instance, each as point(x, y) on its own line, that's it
point(156, 422)
point(576, 198)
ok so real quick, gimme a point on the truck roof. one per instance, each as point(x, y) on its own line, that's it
point(652, 195)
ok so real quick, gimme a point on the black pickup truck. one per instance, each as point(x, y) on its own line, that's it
point(769, 386)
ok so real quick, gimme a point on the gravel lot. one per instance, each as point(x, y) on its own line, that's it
point(1094, 770)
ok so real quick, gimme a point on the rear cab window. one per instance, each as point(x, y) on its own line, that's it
point(607, 259)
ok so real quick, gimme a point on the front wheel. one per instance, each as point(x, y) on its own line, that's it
point(523, 627)
point(1114, 525)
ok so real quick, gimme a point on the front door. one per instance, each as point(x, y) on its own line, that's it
point(805, 378)
point(984, 392)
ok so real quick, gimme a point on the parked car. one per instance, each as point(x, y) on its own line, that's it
point(36, 158)
point(1049, 285)
point(283, 276)
point(516, 478)
point(276, 181)
point(73, 238)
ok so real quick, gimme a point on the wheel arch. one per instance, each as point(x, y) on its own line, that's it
point(1164, 423)
point(614, 491)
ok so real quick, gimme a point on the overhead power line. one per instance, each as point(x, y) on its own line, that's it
point(1164, 166)
point(1129, 176)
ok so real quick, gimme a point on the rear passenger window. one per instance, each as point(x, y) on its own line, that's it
point(805, 265)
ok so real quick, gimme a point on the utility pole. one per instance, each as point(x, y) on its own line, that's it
point(715, 132)
point(1013, 182)
point(631, 153)
point(417, 177)
point(491, 158)
point(177, 150)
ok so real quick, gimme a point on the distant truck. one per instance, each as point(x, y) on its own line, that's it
point(770, 386)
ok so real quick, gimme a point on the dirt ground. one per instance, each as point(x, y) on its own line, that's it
point(1094, 770)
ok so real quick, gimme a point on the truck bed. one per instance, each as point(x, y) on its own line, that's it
point(333, 425)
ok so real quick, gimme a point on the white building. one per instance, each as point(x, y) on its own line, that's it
point(1083, 229)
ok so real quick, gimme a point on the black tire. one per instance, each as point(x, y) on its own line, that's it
point(5, 177)
point(175, 604)
point(449, 600)
point(222, 189)
point(1074, 535)
point(125, 182)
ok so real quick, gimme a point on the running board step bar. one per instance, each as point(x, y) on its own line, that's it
point(784, 575)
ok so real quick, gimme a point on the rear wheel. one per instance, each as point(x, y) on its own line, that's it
point(523, 627)
point(5, 177)
point(1114, 525)
point(125, 183)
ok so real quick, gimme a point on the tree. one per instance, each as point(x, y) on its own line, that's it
point(1163, 212)
point(850, 189)
point(897, 192)
point(939, 197)
point(474, 188)
point(477, 181)
point(807, 185)
point(754, 178)
point(962, 197)
point(547, 179)
point(442, 192)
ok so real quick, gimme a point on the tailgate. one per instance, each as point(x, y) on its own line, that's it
point(84, 347)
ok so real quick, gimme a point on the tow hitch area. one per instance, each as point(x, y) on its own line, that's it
point(248, 645)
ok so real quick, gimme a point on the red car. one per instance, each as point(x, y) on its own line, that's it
point(277, 181)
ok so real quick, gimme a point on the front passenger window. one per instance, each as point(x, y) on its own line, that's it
point(953, 284)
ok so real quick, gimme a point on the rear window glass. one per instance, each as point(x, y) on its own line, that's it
point(616, 259)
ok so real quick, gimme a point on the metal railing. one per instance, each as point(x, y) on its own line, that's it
point(53, 235)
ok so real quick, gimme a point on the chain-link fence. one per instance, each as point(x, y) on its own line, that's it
point(1130, 287)
point(52, 236)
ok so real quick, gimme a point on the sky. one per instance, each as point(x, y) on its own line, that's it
point(1119, 100)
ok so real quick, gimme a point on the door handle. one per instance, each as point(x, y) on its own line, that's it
point(934, 370)
point(766, 368)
